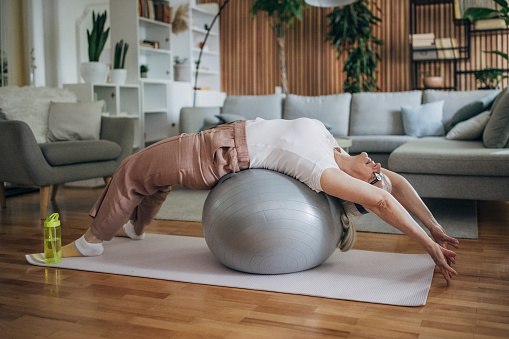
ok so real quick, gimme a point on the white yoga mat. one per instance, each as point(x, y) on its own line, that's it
point(386, 278)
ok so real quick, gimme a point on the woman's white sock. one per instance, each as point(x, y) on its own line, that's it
point(128, 229)
point(88, 249)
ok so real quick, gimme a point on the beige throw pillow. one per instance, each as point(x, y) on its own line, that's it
point(74, 121)
point(470, 129)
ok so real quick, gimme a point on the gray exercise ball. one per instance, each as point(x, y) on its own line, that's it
point(264, 222)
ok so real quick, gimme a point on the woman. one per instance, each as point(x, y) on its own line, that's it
point(301, 148)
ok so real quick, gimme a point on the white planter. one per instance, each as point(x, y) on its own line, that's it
point(94, 72)
point(118, 76)
point(182, 73)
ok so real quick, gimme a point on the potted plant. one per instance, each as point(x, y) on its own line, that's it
point(351, 31)
point(432, 80)
point(489, 78)
point(181, 69)
point(143, 71)
point(118, 74)
point(282, 15)
point(474, 14)
point(95, 71)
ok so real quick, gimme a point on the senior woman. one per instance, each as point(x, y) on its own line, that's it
point(301, 148)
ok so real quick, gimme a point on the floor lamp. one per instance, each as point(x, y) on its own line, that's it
point(201, 49)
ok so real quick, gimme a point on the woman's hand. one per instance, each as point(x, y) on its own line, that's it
point(438, 233)
point(442, 258)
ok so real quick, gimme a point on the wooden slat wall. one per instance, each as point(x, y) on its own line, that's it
point(250, 61)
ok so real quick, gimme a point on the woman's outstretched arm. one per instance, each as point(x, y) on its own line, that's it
point(337, 183)
point(408, 197)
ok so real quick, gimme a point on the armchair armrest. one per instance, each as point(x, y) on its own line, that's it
point(121, 131)
point(193, 118)
point(22, 159)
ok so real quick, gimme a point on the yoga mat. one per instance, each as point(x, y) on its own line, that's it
point(386, 278)
point(457, 216)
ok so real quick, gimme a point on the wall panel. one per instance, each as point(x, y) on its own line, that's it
point(250, 61)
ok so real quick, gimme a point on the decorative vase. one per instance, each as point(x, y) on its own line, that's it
point(433, 82)
point(118, 76)
point(182, 72)
point(94, 72)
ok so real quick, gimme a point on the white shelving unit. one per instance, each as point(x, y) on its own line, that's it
point(157, 119)
point(187, 45)
point(120, 101)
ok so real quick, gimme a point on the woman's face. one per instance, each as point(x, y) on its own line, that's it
point(363, 168)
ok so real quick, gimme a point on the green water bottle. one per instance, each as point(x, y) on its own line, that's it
point(52, 240)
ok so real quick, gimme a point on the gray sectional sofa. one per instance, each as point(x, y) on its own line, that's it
point(407, 132)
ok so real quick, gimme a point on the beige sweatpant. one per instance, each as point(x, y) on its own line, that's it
point(143, 181)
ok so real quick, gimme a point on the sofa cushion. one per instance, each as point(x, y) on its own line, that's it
point(332, 110)
point(454, 100)
point(74, 121)
point(423, 120)
point(254, 106)
point(436, 155)
point(377, 143)
point(471, 109)
point(380, 113)
point(31, 105)
point(470, 129)
point(496, 133)
point(75, 152)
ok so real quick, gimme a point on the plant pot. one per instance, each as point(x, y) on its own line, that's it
point(182, 73)
point(94, 72)
point(118, 76)
point(143, 74)
point(433, 82)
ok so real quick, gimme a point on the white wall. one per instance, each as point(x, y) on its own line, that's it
point(61, 36)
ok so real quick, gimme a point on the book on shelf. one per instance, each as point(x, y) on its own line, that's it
point(159, 10)
point(481, 25)
point(424, 39)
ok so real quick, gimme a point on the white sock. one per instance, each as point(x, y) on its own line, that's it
point(88, 249)
point(128, 229)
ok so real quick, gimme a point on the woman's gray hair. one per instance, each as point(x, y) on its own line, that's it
point(351, 212)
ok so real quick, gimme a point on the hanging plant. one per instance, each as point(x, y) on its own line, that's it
point(351, 31)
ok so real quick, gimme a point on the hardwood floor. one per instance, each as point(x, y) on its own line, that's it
point(36, 301)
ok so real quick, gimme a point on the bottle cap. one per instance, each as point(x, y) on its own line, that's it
point(52, 220)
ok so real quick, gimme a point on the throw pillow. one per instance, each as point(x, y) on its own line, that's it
point(472, 109)
point(496, 133)
point(470, 129)
point(423, 120)
point(229, 117)
point(74, 121)
point(31, 105)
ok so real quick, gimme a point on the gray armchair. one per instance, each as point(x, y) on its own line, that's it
point(25, 162)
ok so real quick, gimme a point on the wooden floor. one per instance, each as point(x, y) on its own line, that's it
point(59, 303)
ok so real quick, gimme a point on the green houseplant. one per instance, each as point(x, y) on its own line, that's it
point(143, 71)
point(282, 15)
point(489, 78)
point(95, 71)
point(351, 31)
point(118, 74)
point(181, 69)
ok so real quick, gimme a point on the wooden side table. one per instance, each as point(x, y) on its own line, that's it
point(344, 143)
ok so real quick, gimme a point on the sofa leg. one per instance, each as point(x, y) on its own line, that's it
point(54, 192)
point(107, 180)
point(2, 194)
point(44, 193)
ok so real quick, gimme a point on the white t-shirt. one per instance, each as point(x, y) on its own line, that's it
point(301, 148)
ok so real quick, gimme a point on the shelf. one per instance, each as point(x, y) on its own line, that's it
point(203, 31)
point(206, 72)
point(212, 53)
point(155, 110)
point(155, 81)
point(154, 22)
point(155, 50)
point(490, 31)
point(432, 2)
